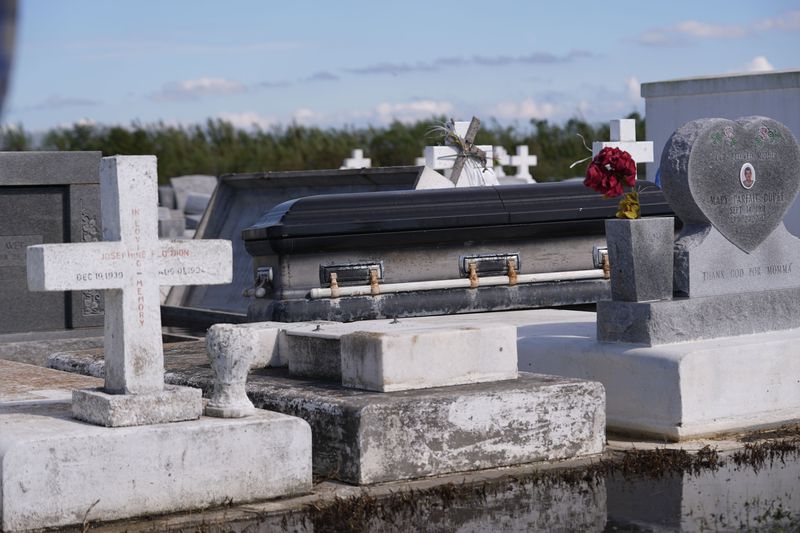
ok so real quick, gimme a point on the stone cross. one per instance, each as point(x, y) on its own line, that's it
point(357, 160)
point(501, 158)
point(450, 159)
point(129, 265)
point(523, 160)
point(623, 136)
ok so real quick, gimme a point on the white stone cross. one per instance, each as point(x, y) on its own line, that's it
point(444, 157)
point(501, 157)
point(130, 264)
point(357, 160)
point(623, 136)
point(523, 160)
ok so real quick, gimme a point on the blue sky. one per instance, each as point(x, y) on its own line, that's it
point(368, 62)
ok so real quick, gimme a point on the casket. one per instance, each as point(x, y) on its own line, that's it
point(395, 254)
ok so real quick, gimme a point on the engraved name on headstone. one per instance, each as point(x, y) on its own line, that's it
point(129, 265)
point(731, 183)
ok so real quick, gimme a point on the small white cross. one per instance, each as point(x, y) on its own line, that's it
point(130, 264)
point(357, 160)
point(623, 136)
point(501, 157)
point(443, 158)
point(523, 160)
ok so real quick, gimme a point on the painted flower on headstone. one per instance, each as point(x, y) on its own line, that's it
point(609, 172)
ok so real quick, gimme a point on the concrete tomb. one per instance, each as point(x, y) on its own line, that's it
point(721, 354)
point(432, 252)
point(239, 201)
point(150, 466)
point(183, 186)
point(46, 197)
point(389, 400)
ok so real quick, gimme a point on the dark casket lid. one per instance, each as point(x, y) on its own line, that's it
point(317, 218)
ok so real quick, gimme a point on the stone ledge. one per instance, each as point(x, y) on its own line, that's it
point(678, 391)
point(55, 468)
point(691, 319)
point(173, 404)
point(366, 437)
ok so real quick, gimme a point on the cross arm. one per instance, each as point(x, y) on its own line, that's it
point(195, 262)
point(76, 266)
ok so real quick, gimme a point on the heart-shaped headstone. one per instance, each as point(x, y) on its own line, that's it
point(739, 176)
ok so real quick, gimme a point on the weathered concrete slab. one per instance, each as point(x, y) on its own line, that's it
point(676, 391)
point(422, 358)
point(364, 437)
point(57, 471)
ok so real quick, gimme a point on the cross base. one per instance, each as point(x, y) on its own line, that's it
point(173, 404)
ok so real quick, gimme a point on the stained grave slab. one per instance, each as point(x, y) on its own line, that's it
point(365, 437)
point(106, 474)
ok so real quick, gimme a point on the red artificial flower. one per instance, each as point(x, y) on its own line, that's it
point(609, 171)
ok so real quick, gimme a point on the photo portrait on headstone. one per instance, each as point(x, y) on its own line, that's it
point(747, 176)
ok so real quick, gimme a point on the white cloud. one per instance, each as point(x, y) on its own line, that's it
point(695, 28)
point(247, 119)
point(787, 22)
point(758, 64)
point(193, 89)
point(634, 89)
point(525, 109)
point(307, 116)
point(412, 111)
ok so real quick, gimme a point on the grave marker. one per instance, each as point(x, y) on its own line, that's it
point(623, 136)
point(452, 158)
point(357, 160)
point(129, 265)
point(523, 160)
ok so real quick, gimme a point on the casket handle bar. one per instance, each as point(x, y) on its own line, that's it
point(352, 273)
point(600, 258)
point(488, 264)
point(263, 283)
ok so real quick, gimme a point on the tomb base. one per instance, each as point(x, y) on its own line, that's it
point(363, 437)
point(57, 471)
point(681, 390)
point(173, 404)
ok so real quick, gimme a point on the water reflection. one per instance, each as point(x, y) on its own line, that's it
point(725, 497)
point(730, 498)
